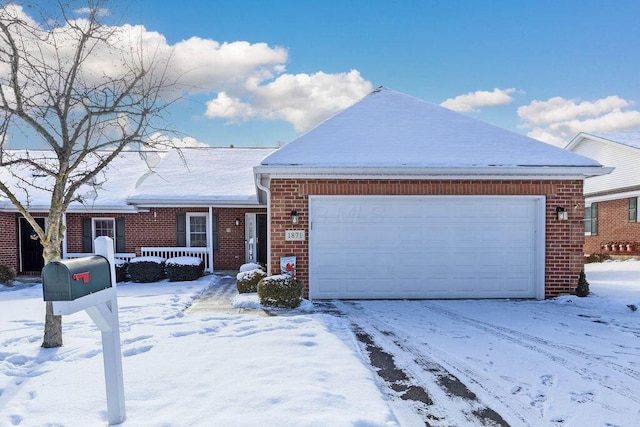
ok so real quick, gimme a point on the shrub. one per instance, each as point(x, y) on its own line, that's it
point(7, 274)
point(121, 270)
point(280, 291)
point(250, 266)
point(146, 269)
point(183, 269)
point(596, 258)
point(247, 281)
point(582, 290)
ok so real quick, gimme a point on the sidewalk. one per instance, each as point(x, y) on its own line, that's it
point(219, 297)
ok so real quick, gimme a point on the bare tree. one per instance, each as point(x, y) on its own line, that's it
point(86, 91)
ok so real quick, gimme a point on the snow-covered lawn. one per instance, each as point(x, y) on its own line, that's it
point(570, 361)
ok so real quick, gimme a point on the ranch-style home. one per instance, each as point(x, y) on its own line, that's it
point(194, 201)
point(611, 216)
point(391, 198)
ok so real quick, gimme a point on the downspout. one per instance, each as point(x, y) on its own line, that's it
point(267, 191)
point(210, 239)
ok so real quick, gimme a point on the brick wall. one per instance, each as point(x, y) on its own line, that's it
point(613, 227)
point(9, 240)
point(564, 239)
point(158, 228)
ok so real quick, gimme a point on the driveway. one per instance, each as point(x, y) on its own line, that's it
point(485, 362)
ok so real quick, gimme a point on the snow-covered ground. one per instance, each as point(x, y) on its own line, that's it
point(566, 362)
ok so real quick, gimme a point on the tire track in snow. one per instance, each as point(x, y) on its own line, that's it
point(422, 366)
point(551, 349)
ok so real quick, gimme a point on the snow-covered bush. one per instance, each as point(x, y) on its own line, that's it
point(582, 290)
point(250, 266)
point(146, 269)
point(184, 268)
point(121, 270)
point(247, 281)
point(280, 291)
point(7, 274)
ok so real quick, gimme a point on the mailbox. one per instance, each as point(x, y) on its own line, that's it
point(70, 279)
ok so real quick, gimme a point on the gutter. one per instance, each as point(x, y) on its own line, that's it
point(485, 172)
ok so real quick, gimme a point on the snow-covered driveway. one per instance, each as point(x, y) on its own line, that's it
point(570, 361)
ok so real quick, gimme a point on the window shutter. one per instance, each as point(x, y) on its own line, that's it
point(87, 235)
point(120, 242)
point(594, 219)
point(215, 232)
point(181, 230)
point(633, 209)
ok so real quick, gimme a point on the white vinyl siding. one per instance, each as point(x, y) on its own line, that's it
point(625, 159)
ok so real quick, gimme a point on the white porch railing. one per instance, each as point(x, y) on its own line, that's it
point(122, 256)
point(171, 252)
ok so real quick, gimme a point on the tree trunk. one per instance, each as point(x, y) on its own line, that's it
point(51, 252)
point(52, 328)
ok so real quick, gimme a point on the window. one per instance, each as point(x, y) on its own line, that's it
point(197, 230)
point(104, 227)
point(591, 219)
point(633, 209)
point(96, 227)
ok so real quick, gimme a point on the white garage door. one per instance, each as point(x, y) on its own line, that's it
point(426, 247)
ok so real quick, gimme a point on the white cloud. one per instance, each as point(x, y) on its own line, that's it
point(303, 100)
point(557, 120)
point(479, 98)
point(245, 80)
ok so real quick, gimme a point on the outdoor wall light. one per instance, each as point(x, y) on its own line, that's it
point(237, 221)
point(562, 214)
point(294, 217)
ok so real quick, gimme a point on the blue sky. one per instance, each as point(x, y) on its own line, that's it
point(544, 68)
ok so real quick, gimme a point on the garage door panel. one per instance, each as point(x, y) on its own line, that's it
point(423, 247)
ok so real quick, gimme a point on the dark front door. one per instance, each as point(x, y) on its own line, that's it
point(30, 248)
point(261, 225)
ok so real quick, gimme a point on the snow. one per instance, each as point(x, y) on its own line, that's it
point(390, 129)
point(200, 175)
point(184, 260)
point(568, 361)
point(156, 259)
point(631, 139)
point(250, 266)
point(114, 183)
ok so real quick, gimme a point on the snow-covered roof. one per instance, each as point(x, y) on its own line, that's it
point(112, 185)
point(630, 139)
point(185, 177)
point(199, 176)
point(391, 130)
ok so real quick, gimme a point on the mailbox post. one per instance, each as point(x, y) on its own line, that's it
point(89, 284)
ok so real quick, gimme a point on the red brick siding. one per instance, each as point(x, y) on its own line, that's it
point(564, 239)
point(158, 228)
point(613, 227)
point(9, 240)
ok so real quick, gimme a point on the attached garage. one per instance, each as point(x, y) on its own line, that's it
point(398, 198)
point(371, 247)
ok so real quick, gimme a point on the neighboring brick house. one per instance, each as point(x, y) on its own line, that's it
point(398, 198)
point(196, 201)
point(611, 215)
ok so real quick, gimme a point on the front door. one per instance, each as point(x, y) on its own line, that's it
point(256, 238)
point(30, 248)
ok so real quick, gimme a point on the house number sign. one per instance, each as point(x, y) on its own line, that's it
point(294, 235)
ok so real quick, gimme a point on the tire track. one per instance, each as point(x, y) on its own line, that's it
point(551, 349)
point(420, 366)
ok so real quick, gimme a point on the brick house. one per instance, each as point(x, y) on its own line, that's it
point(195, 201)
point(611, 201)
point(398, 198)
